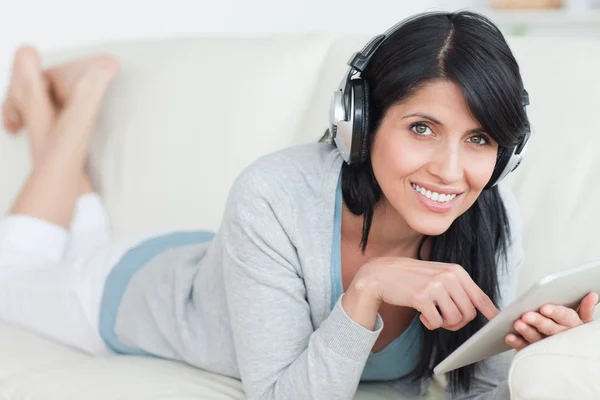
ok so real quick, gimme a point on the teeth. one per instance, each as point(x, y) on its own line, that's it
point(440, 198)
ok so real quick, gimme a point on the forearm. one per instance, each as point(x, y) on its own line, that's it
point(331, 365)
point(286, 358)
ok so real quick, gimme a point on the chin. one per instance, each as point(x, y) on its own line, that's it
point(430, 227)
point(430, 218)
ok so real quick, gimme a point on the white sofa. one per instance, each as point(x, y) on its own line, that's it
point(186, 115)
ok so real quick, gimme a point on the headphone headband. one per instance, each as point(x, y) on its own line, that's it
point(360, 59)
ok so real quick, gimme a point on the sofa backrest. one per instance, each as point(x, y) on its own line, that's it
point(187, 115)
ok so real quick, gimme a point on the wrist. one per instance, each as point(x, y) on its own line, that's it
point(361, 301)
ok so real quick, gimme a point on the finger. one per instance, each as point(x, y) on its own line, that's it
point(479, 299)
point(528, 332)
point(586, 308)
point(541, 324)
point(464, 304)
point(561, 315)
point(453, 328)
point(425, 322)
point(450, 313)
point(430, 316)
point(516, 342)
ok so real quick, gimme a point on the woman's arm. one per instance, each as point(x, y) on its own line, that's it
point(280, 354)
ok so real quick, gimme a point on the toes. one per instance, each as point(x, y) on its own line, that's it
point(25, 77)
point(108, 63)
point(11, 118)
point(27, 53)
point(26, 66)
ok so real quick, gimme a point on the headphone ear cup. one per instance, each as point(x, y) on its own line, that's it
point(360, 128)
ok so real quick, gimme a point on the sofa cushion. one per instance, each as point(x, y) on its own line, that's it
point(564, 366)
point(23, 352)
point(34, 368)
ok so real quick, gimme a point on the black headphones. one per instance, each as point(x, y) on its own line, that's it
point(349, 115)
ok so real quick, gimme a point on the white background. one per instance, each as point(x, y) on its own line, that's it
point(52, 24)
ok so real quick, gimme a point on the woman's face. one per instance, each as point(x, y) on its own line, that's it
point(431, 158)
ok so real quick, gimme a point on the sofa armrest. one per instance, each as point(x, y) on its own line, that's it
point(564, 366)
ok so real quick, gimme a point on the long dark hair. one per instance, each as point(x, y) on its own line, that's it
point(469, 50)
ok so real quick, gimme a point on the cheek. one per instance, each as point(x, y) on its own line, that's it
point(479, 169)
point(395, 158)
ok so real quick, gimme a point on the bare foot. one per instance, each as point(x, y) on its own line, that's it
point(84, 94)
point(28, 103)
point(26, 77)
point(64, 78)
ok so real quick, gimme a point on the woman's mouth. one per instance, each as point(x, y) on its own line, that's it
point(434, 196)
point(434, 201)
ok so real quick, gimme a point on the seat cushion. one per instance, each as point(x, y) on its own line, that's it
point(23, 352)
point(35, 368)
point(564, 366)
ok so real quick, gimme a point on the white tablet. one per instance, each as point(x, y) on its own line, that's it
point(565, 288)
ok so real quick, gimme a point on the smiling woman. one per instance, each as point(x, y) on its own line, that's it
point(443, 108)
point(371, 259)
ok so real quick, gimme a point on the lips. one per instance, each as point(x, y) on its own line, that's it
point(445, 200)
point(442, 197)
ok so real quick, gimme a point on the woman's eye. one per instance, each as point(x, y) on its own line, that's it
point(479, 140)
point(421, 129)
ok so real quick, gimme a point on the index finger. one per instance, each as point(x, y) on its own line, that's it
point(480, 300)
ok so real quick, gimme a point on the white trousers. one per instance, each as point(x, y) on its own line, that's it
point(52, 280)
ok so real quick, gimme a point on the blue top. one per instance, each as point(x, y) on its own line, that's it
point(120, 276)
point(399, 357)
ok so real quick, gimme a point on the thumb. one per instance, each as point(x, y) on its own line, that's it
point(586, 308)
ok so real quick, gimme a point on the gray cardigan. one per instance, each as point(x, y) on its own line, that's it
point(254, 303)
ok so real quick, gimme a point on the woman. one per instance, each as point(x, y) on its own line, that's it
point(322, 273)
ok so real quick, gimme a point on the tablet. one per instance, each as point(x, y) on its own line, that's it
point(567, 288)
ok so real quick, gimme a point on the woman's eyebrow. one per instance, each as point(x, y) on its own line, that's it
point(421, 115)
point(435, 121)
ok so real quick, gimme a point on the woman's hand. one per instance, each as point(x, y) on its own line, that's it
point(535, 326)
point(443, 293)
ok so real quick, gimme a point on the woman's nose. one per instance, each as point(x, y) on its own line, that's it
point(447, 164)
